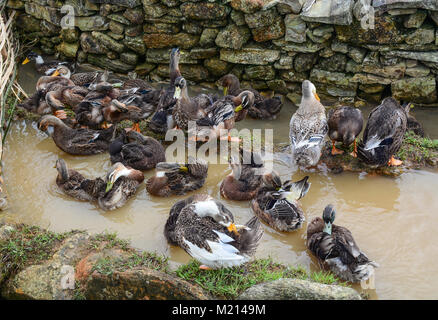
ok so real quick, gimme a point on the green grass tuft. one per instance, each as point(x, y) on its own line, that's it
point(229, 283)
point(27, 245)
point(107, 240)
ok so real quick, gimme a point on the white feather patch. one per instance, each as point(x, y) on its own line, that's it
point(206, 208)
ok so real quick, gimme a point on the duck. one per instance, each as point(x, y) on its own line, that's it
point(45, 67)
point(89, 112)
point(56, 85)
point(345, 124)
point(122, 183)
point(77, 141)
point(222, 115)
point(177, 179)
point(205, 229)
point(141, 153)
point(75, 185)
point(335, 247)
point(245, 179)
point(134, 82)
point(188, 109)
point(263, 108)
point(162, 120)
point(308, 128)
point(277, 204)
point(384, 133)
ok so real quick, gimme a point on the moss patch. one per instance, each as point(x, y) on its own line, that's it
point(108, 240)
point(423, 151)
point(27, 245)
point(229, 283)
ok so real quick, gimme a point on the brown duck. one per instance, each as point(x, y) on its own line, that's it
point(345, 124)
point(246, 178)
point(136, 151)
point(335, 247)
point(177, 179)
point(77, 141)
point(74, 184)
point(121, 184)
point(264, 108)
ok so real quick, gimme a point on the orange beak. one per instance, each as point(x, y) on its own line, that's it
point(232, 228)
point(316, 96)
point(26, 61)
point(56, 73)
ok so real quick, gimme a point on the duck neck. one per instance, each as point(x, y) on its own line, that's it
point(63, 171)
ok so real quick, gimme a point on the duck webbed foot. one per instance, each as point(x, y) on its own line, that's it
point(394, 162)
point(336, 151)
point(60, 114)
point(354, 153)
point(204, 267)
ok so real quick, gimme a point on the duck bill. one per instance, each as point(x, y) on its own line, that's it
point(238, 108)
point(109, 186)
point(232, 228)
point(225, 91)
point(184, 169)
point(177, 94)
point(317, 97)
point(26, 61)
point(56, 73)
point(328, 228)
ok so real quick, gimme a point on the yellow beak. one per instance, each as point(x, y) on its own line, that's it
point(225, 91)
point(56, 73)
point(316, 96)
point(184, 168)
point(238, 108)
point(26, 61)
point(109, 186)
point(232, 228)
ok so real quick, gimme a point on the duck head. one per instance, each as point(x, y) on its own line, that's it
point(217, 211)
point(180, 86)
point(309, 90)
point(272, 180)
point(228, 81)
point(246, 99)
point(117, 171)
point(328, 216)
point(33, 56)
point(171, 167)
point(50, 121)
point(62, 71)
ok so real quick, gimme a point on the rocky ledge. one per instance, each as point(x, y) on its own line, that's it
point(349, 51)
point(39, 264)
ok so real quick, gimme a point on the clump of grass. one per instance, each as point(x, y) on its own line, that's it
point(27, 245)
point(418, 149)
point(151, 260)
point(229, 283)
point(107, 240)
point(326, 277)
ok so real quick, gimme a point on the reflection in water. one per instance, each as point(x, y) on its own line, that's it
point(394, 221)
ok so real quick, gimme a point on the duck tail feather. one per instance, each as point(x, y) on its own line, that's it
point(250, 238)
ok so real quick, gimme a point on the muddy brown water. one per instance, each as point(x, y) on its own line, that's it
point(394, 220)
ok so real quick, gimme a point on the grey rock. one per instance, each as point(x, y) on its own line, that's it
point(305, 61)
point(233, 37)
point(421, 36)
point(415, 55)
point(259, 73)
point(260, 18)
point(238, 17)
point(338, 12)
point(420, 90)
point(415, 20)
point(418, 71)
point(357, 54)
point(250, 56)
point(336, 62)
point(295, 28)
point(208, 37)
point(338, 46)
point(297, 289)
point(94, 23)
point(401, 4)
point(111, 64)
point(307, 47)
point(123, 3)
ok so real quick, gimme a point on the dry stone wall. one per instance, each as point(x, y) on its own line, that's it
point(267, 44)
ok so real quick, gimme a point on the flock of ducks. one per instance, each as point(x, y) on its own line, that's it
point(201, 225)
